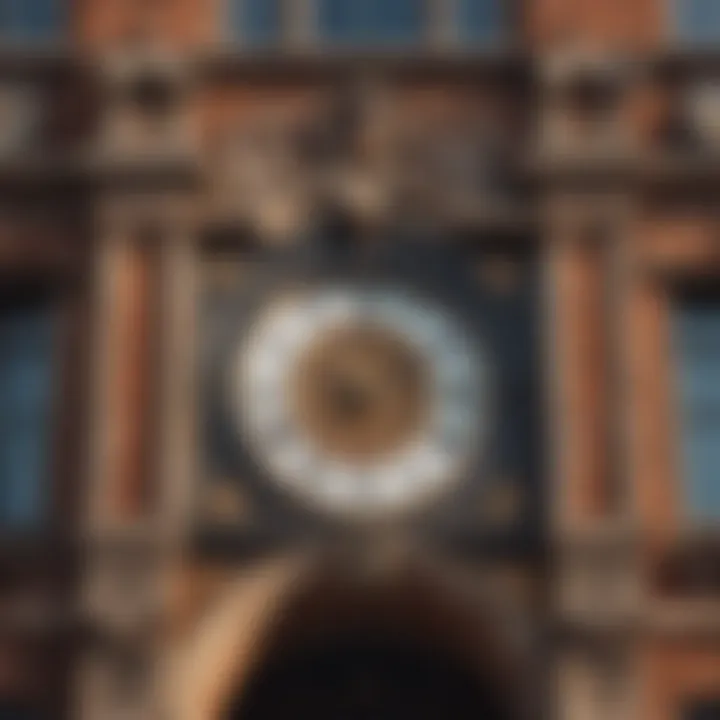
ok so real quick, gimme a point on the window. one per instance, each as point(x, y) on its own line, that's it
point(26, 339)
point(697, 346)
point(480, 21)
point(257, 22)
point(697, 21)
point(31, 19)
point(371, 21)
point(703, 710)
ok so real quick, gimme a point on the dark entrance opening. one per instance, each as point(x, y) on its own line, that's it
point(366, 678)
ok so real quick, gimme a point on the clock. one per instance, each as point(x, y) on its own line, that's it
point(356, 389)
point(360, 400)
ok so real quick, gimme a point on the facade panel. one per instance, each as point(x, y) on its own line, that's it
point(391, 321)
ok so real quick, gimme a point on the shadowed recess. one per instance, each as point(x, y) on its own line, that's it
point(366, 677)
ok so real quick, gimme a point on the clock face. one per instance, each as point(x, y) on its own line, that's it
point(362, 401)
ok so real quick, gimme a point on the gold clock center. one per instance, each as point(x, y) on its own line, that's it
point(360, 392)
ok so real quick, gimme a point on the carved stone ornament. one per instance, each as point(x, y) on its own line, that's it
point(279, 171)
point(262, 178)
point(122, 598)
point(21, 117)
point(703, 112)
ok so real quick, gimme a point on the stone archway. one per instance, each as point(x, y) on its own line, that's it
point(424, 622)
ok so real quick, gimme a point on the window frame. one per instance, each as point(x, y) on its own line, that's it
point(233, 33)
point(300, 26)
point(508, 31)
point(374, 44)
point(683, 289)
point(658, 278)
point(676, 30)
point(30, 304)
point(53, 303)
point(17, 33)
point(67, 293)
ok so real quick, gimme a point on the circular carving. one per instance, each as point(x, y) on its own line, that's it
point(360, 400)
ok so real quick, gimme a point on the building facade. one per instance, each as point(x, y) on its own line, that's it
point(359, 359)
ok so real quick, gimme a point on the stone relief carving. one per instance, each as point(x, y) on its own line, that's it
point(364, 153)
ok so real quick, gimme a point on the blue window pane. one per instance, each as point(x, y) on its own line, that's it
point(698, 21)
point(697, 346)
point(371, 22)
point(24, 468)
point(481, 21)
point(340, 20)
point(398, 21)
point(25, 405)
point(256, 22)
point(32, 19)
